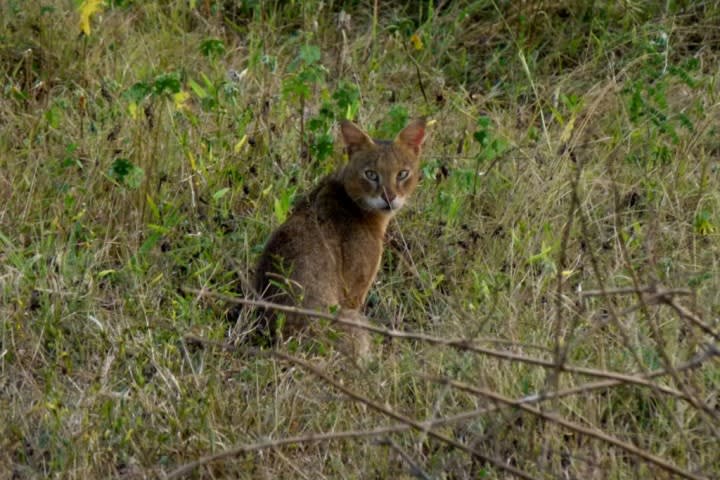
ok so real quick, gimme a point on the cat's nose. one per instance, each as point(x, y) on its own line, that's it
point(389, 197)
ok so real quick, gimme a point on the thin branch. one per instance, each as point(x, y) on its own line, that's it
point(655, 295)
point(415, 469)
point(688, 315)
point(590, 432)
point(696, 362)
point(459, 344)
point(631, 347)
point(614, 317)
point(420, 82)
point(265, 444)
point(693, 363)
point(398, 416)
point(419, 76)
point(632, 290)
point(595, 265)
point(654, 327)
point(562, 346)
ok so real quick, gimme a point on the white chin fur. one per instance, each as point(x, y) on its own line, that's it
point(378, 203)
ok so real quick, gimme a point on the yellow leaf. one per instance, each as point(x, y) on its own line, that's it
point(79, 216)
point(417, 41)
point(567, 131)
point(153, 206)
point(133, 110)
point(87, 9)
point(180, 98)
point(240, 144)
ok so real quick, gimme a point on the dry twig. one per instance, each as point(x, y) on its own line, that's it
point(459, 344)
point(179, 472)
point(590, 432)
point(402, 418)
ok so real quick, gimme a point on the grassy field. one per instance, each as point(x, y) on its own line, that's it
point(556, 275)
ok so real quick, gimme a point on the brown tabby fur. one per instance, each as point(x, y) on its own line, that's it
point(328, 251)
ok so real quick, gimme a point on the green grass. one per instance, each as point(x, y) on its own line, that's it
point(158, 153)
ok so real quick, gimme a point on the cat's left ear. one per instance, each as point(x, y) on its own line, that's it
point(353, 136)
point(413, 135)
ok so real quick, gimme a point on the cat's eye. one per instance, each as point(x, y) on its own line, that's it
point(403, 174)
point(371, 175)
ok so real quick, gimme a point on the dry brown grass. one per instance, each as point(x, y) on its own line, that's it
point(547, 306)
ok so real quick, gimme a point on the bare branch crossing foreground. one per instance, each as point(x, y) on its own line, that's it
point(459, 344)
point(611, 379)
point(425, 425)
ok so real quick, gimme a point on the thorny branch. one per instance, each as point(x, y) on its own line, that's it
point(590, 432)
point(183, 470)
point(459, 344)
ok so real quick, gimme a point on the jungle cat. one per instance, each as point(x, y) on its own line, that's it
point(328, 251)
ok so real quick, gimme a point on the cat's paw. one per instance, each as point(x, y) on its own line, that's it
point(355, 341)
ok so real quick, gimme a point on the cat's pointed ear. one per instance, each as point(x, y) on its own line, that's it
point(355, 139)
point(413, 135)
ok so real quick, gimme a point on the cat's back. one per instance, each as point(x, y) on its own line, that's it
point(325, 231)
point(310, 234)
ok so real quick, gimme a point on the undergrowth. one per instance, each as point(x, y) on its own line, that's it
point(568, 213)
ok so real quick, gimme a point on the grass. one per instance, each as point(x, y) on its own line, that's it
point(575, 148)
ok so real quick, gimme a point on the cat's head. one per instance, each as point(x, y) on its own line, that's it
point(381, 174)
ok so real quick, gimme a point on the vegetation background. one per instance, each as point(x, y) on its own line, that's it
point(548, 304)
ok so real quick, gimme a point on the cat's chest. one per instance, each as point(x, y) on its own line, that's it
point(357, 239)
point(361, 249)
point(361, 253)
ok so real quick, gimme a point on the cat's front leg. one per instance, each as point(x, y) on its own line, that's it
point(356, 341)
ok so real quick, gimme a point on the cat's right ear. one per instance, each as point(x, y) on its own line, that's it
point(355, 139)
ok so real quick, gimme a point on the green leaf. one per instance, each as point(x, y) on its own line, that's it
point(697, 280)
point(322, 146)
point(398, 118)
point(347, 98)
point(197, 89)
point(167, 82)
point(212, 47)
point(148, 244)
point(126, 173)
point(310, 54)
point(703, 222)
point(52, 115)
point(481, 137)
point(295, 87)
point(279, 210)
point(138, 92)
point(282, 204)
point(220, 193)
